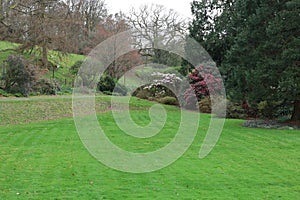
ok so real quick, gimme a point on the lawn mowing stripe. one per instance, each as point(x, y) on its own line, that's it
point(245, 164)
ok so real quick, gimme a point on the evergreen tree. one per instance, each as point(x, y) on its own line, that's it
point(256, 44)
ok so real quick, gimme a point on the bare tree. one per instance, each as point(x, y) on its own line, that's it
point(3, 15)
point(155, 27)
point(113, 25)
point(89, 13)
point(37, 24)
point(10, 23)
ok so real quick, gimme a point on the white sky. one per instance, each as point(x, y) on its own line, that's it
point(181, 6)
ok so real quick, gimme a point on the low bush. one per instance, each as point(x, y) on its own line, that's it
point(205, 105)
point(233, 110)
point(18, 95)
point(153, 91)
point(4, 93)
point(142, 93)
point(19, 75)
point(268, 109)
point(169, 100)
point(106, 83)
point(108, 86)
point(47, 87)
point(107, 92)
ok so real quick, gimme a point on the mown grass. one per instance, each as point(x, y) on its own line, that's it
point(46, 160)
point(41, 108)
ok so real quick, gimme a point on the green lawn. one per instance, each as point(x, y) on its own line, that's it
point(45, 159)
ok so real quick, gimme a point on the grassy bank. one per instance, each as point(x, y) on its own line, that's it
point(41, 108)
point(62, 73)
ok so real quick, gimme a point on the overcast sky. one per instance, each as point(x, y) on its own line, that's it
point(181, 6)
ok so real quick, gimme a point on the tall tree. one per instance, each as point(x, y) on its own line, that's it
point(37, 24)
point(284, 33)
point(113, 25)
point(212, 27)
point(154, 27)
point(87, 15)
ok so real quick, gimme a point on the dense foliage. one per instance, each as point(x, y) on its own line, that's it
point(19, 75)
point(203, 82)
point(257, 46)
point(109, 86)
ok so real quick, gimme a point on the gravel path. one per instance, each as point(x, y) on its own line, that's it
point(35, 98)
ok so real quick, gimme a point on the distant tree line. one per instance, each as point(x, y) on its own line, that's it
point(69, 26)
point(77, 26)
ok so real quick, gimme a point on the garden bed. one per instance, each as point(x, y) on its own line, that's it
point(271, 124)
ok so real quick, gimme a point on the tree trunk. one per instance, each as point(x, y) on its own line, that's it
point(296, 112)
point(45, 56)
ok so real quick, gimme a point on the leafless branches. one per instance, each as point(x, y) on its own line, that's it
point(155, 27)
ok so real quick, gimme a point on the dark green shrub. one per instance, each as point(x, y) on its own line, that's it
point(285, 110)
point(205, 105)
point(19, 75)
point(4, 93)
point(268, 109)
point(107, 92)
point(235, 111)
point(251, 111)
point(18, 95)
point(106, 83)
point(168, 100)
point(74, 68)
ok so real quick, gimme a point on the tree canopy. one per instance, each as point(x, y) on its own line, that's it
point(257, 47)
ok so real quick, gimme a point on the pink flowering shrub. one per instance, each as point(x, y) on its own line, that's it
point(203, 82)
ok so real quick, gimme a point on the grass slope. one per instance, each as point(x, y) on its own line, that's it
point(61, 74)
point(41, 108)
point(6, 45)
point(46, 160)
